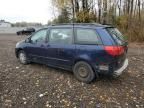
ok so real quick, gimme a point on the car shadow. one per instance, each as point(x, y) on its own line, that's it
point(56, 69)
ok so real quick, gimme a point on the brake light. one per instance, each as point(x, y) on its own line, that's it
point(114, 50)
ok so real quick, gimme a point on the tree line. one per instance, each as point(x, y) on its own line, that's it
point(127, 15)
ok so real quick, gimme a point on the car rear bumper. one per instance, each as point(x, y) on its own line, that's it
point(119, 71)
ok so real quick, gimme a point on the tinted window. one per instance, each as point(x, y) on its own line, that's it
point(39, 36)
point(62, 36)
point(116, 34)
point(87, 36)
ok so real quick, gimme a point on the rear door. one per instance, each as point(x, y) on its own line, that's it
point(60, 49)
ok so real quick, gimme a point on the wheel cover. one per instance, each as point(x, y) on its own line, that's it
point(83, 72)
point(22, 57)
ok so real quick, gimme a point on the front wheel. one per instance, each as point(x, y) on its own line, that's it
point(83, 72)
point(22, 57)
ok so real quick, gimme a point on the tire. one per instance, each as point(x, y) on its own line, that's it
point(83, 72)
point(22, 57)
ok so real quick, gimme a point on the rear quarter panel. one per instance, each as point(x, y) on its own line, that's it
point(95, 55)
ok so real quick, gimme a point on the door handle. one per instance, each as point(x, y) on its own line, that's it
point(42, 45)
point(48, 45)
point(61, 50)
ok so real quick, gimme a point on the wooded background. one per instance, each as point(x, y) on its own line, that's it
point(127, 15)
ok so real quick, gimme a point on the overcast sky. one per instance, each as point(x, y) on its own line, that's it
point(26, 10)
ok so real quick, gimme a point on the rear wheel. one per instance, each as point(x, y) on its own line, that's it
point(22, 57)
point(83, 72)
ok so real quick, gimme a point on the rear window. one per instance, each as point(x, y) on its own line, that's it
point(116, 34)
point(87, 36)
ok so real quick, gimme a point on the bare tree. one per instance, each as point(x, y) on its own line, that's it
point(139, 9)
point(99, 10)
point(105, 12)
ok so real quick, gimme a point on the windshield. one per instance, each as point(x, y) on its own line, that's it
point(118, 37)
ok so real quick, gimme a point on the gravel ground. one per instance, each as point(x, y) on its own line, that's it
point(39, 86)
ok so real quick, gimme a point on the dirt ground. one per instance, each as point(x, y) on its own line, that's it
point(39, 86)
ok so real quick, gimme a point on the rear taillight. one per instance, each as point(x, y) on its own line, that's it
point(114, 50)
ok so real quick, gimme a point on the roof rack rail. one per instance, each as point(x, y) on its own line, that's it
point(95, 24)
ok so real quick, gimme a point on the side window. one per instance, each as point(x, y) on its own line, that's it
point(87, 36)
point(39, 36)
point(61, 36)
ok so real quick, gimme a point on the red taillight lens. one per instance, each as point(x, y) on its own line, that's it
point(114, 50)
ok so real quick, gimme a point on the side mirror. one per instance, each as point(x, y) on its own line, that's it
point(28, 40)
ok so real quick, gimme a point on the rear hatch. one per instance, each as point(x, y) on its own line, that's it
point(121, 45)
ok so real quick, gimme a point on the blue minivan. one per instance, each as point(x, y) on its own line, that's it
point(86, 49)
